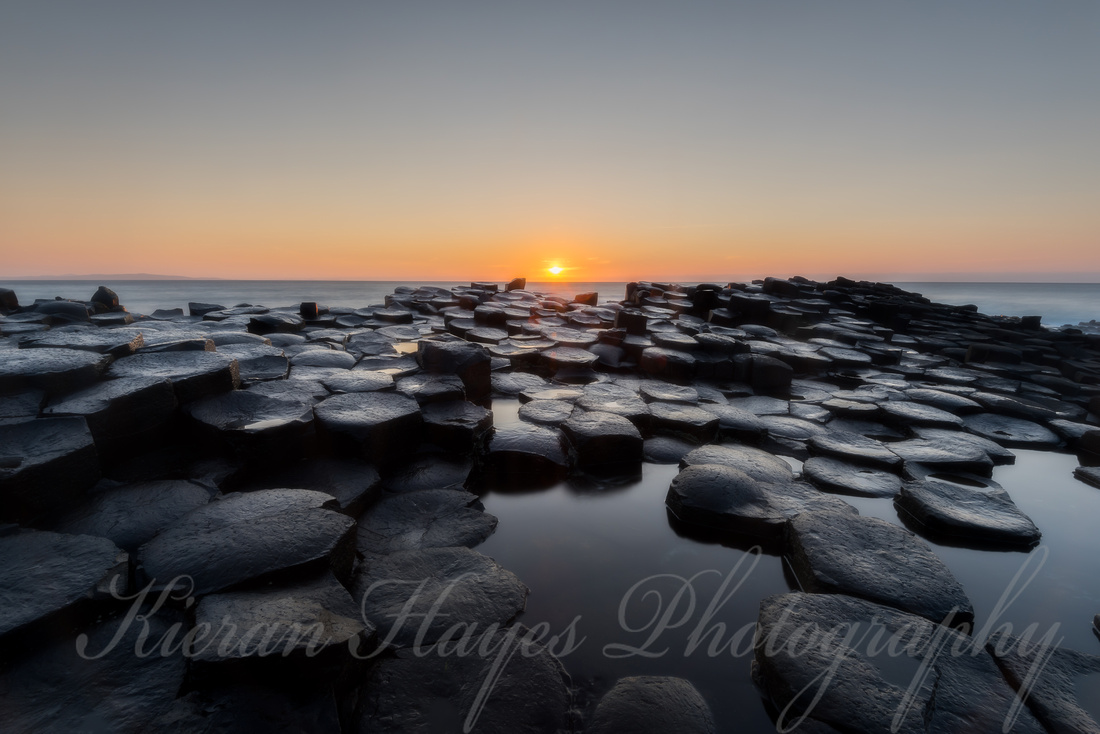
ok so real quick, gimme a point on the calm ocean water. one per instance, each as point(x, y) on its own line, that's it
point(1057, 303)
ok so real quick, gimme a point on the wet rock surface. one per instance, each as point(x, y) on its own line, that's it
point(45, 463)
point(967, 513)
point(429, 518)
point(652, 705)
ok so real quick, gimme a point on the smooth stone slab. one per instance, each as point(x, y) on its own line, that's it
point(513, 383)
point(430, 471)
point(310, 622)
point(840, 477)
point(310, 390)
point(257, 362)
point(253, 420)
point(868, 690)
point(354, 484)
point(115, 342)
point(119, 408)
point(557, 358)
point(975, 515)
point(734, 422)
point(844, 553)
point(604, 442)
point(1088, 475)
point(951, 402)
point(756, 463)
point(320, 357)
point(789, 427)
point(21, 406)
point(456, 425)
point(854, 448)
point(132, 514)
point(227, 709)
point(44, 574)
point(546, 412)
point(193, 374)
point(248, 536)
point(359, 381)
point(728, 499)
point(418, 694)
point(52, 370)
point(526, 452)
point(997, 453)
point(657, 391)
point(667, 450)
point(1052, 695)
point(683, 420)
point(379, 426)
point(117, 691)
point(463, 585)
point(269, 323)
point(1012, 432)
point(652, 705)
point(471, 362)
point(567, 394)
point(430, 518)
point(428, 388)
point(45, 464)
point(917, 414)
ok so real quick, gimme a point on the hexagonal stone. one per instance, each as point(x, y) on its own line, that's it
point(840, 477)
point(684, 420)
point(546, 412)
point(46, 574)
point(320, 357)
point(21, 406)
point(604, 443)
point(997, 453)
point(918, 414)
point(354, 484)
point(45, 463)
point(871, 685)
point(52, 370)
point(254, 421)
point(652, 705)
point(270, 323)
point(193, 374)
point(945, 455)
point(728, 499)
point(667, 392)
point(310, 623)
point(951, 402)
point(249, 536)
point(1011, 432)
point(430, 518)
point(756, 463)
point(468, 588)
point(854, 448)
point(359, 381)
point(115, 342)
point(456, 425)
point(120, 408)
point(256, 362)
point(413, 693)
point(379, 426)
point(428, 388)
point(844, 553)
point(526, 454)
point(430, 471)
point(973, 515)
point(1088, 475)
point(471, 362)
point(131, 514)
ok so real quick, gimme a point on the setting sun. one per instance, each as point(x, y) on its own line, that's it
point(555, 270)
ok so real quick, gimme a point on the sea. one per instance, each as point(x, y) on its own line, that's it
point(1057, 303)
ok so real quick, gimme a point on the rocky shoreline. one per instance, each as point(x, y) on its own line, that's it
point(305, 468)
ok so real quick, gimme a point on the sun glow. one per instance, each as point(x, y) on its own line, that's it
point(556, 270)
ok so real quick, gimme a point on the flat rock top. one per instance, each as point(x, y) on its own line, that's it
point(31, 362)
point(46, 572)
point(876, 560)
point(840, 477)
point(365, 409)
point(756, 463)
point(467, 586)
point(430, 518)
point(39, 441)
point(245, 536)
point(246, 411)
point(652, 705)
point(968, 512)
point(100, 396)
point(172, 365)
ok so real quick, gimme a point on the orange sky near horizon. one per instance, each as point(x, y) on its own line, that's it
point(617, 140)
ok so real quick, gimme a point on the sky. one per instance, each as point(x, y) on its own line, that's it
point(617, 140)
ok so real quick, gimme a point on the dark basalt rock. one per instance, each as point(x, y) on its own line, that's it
point(120, 409)
point(526, 454)
point(225, 709)
point(789, 427)
point(270, 323)
point(546, 412)
point(114, 342)
point(247, 536)
point(951, 402)
point(310, 624)
point(728, 499)
point(652, 705)
point(45, 463)
point(132, 514)
point(567, 394)
point(44, 574)
point(840, 477)
point(428, 388)
point(513, 383)
point(193, 374)
point(456, 425)
point(257, 362)
point(105, 297)
point(201, 309)
point(667, 450)
point(166, 314)
point(21, 406)
point(967, 513)
point(8, 300)
point(683, 420)
point(1051, 694)
point(604, 443)
point(558, 358)
point(916, 414)
point(302, 390)
point(359, 381)
point(63, 312)
point(467, 588)
point(769, 374)
point(867, 690)
point(671, 363)
point(997, 453)
point(734, 422)
point(854, 448)
point(430, 471)
point(471, 362)
point(430, 518)
point(656, 391)
point(844, 553)
point(1088, 475)
point(320, 357)
point(253, 421)
point(53, 370)
point(379, 426)
point(1011, 432)
point(756, 463)
point(109, 689)
point(355, 485)
point(428, 694)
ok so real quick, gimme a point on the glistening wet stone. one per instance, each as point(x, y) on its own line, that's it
point(45, 463)
point(429, 518)
point(378, 426)
point(756, 463)
point(971, 514)
point(652, 705)
point(840, 477)
point(193, 374)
